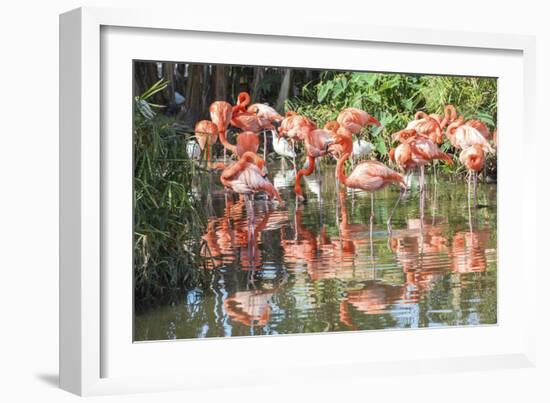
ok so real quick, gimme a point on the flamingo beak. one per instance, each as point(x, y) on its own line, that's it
point(373, 121)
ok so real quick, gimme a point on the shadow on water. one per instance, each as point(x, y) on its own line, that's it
point(325, 266)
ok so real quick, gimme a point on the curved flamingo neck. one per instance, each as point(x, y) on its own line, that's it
point(340, 172)
point(450, 116)
point(302, 172)
point(420, 115)
point(227, 144)
point(243, 100)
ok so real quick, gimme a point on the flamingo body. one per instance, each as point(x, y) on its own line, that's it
point(355, 119)
point(266, 112)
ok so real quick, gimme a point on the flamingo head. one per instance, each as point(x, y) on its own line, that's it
point(332, 126)
point(343, 137)
point(450, 132)
point(259, 162)
point(373, 121)
point(404, 136)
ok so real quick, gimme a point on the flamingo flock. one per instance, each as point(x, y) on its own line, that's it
point(245, 173)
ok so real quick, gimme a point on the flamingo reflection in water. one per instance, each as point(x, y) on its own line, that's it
point(230, 239)
point(249, 307)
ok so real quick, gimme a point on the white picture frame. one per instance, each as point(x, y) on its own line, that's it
point(86, 311)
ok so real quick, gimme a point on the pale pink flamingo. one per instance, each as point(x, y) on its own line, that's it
point(369, 175)
point(463, 136)
point(206, 133)
point(246, 177)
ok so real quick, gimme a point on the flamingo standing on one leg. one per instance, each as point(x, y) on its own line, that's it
point(220, 113)
point(206, 133)
point(473, 158)
point(369, 175)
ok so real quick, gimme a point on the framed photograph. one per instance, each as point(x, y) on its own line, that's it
point(233, 192)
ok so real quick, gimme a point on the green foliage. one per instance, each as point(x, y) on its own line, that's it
point(393, 99)
point(168, 222)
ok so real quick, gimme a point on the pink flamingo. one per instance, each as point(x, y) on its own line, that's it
point(220, 113)
point(473, 158)
point(355, 119)
point(296, 128)
point(463, 136)
point(206, 133)
point(416, 151)
point(317, 142)
point(246, 177)
point(369, 175)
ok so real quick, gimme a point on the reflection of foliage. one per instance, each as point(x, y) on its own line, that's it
point(394, 98)
point(167, 215)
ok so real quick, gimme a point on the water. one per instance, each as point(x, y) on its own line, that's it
point(322, 266)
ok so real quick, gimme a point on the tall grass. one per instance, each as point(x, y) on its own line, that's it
point(168, 195)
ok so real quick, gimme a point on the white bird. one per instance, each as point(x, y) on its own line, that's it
point(193, 150)
point(362, 148)
point(283, 148)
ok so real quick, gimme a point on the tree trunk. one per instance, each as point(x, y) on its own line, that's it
point(193, 92)
point(256, 81)
point(284, 90)
point(220, 74)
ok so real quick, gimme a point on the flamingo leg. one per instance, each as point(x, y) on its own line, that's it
point(371, 206)
point(469, 193)
point(435, 172)
point(401, 194)
point(475, 189)
point(265, 145)
point(422, 178)
point(372, 243)
point(294, 156)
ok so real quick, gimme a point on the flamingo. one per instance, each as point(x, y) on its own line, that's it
point(206, 133)
point(361, 148)
point(463, 136)
point(416, 151)
point(317, 142)
point(220, 113)
point(480, 127)
point(355, 119)
point(369, 175)
point(295, 127)
point(246, 177)
point(266, 112)
point(473, 158)
point(257, 117)
point(427, 126)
